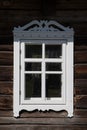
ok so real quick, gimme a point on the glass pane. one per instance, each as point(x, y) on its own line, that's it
point(32, 66)
point(33, 51)
point(53, 85)
point(53, 66)
point(32, 85)
point(53, 51)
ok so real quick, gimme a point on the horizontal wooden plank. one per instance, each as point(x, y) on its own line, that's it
point(6, 102)
point(6, 58)
point(80, 113)
point(81, 71)
point(6, 88)
point(81, 86)
point(81, 83)
point(6, 47)
point(35, 4)
point(81, 47)
point(44, 121)
point(80, 57)
point(81, 90)
point(71, 4)
point(81, 101)
point(71, 16)
point(43, 127)
point(6, 113)
point(17, 4)
point(6, 73)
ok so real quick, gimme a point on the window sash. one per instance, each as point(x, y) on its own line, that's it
point(43, 72)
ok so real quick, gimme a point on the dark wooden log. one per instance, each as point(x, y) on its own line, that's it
point(18, 4)
point(80, 113)
point(42, 127)
point(6, 88)
point(71, 5)
point(6, 113)
point(6, 73)
point(81, 57)
point(81, 101)
point(6, 47)
point(81, 83)
point(81, 90)
point(82, 46)
point(81, 71)
point(6, 102)
point(6, 58)
point(81, 86)
point(36, 4)
point(44, 121)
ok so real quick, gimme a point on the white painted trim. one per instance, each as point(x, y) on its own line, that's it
point(49, 35)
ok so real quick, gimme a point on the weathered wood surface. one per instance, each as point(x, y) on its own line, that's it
point(6, 58)
point(6, 102)
point(6, 47)
point(44, 121)
point(43, 127)
point(80, 86)
point(64, 4)
point(82, 46)
point(81, 57)
point(6, 88)
point(81, 71)
point(6, 73)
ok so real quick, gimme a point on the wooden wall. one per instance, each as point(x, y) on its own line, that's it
point(18, 12)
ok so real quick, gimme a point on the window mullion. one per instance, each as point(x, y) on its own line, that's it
point(43, 71)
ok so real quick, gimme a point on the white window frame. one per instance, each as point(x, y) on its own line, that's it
point(44, 34)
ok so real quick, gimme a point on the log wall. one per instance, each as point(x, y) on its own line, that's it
point(67, 12)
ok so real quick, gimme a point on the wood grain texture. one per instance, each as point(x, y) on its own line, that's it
point(6, 47)
point(81, 101)
point(6, 58)
point(80, 57)
point(6, 88)
point(42, 127)
point(81, 86)
point(6, 73)
point(6, 102)
point(44, 121)
point(60, 5)
point(81, 71)
point(82, 46)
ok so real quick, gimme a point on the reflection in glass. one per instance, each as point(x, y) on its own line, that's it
point(53, 66)
point(53, 85)
point(53, 51)
point(33, 51)
point(32, 66)
point(32, 85)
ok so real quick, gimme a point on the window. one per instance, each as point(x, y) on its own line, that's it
point(42, 73)
point(43, 67)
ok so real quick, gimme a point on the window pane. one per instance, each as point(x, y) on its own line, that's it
point(53, 66)
point(53, 51)
point(32, 66)
point(32, 85)
point(33, 51)
point(53, 85)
